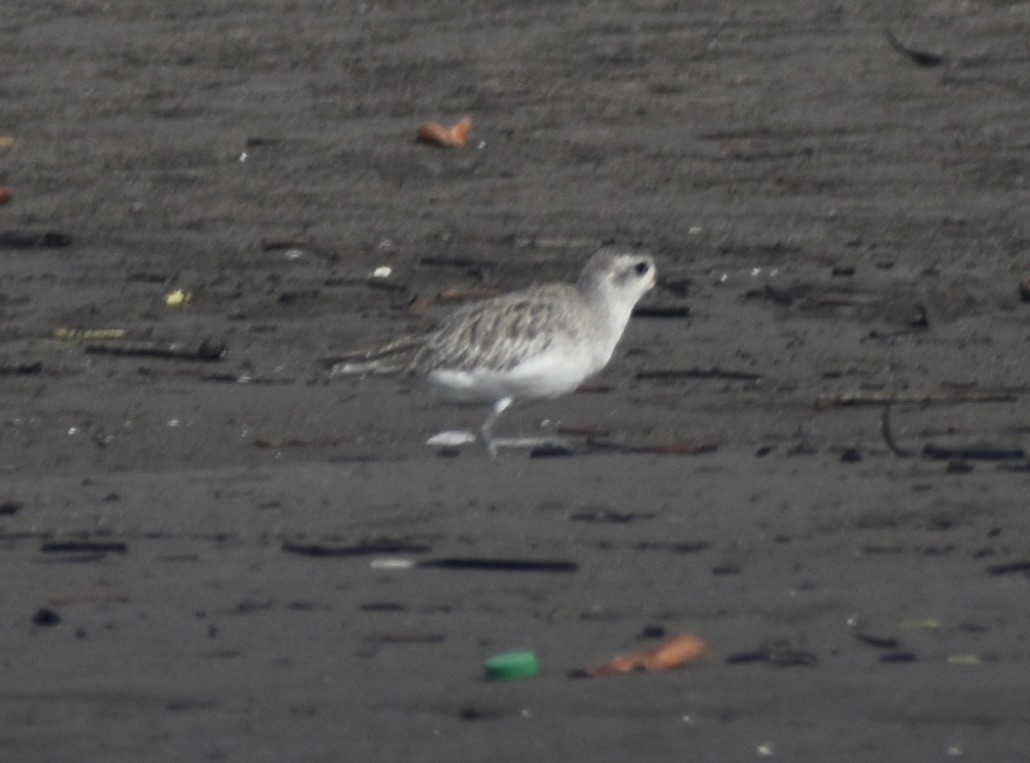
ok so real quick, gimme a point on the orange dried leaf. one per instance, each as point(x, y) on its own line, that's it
point(461, 131)
point(670, 654)
point(453, 137)
point(6, 194)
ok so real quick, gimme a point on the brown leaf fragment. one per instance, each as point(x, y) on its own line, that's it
point(456, 136)
point(674, 653)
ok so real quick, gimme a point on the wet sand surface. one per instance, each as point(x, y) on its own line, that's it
point(237, 557)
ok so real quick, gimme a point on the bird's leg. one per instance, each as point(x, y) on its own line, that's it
point(492, 443)
point(488, 427)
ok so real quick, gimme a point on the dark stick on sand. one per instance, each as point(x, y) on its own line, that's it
point(919, 57)
point(697, 373)
point(207, 350)
point(888, 437)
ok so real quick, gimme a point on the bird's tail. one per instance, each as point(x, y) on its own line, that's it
point(394, 358)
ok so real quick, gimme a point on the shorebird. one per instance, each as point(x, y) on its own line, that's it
point(534, 344)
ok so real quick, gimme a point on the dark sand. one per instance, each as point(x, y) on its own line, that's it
point(837, 218)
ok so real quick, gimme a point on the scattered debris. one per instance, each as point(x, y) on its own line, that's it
point(45, 618)
point(971, 395)
point(363, 548)
point(876, 641)
point(296, 442)
point(851, 456)
point(888, 436)
point(778, 653)
point(676, 652)
point(64, 334)
point(921, 624)
point(956, 455)
point(652, 632)
point(384, 284)
point(293, 250)
point(584, 431)
point(382, 606)
point(553, 449)
point(231, 378)
point(177, 297)
point(6, 194)
point(973, 451)
point(918, 57)
point(667, 449)
point(1009, 568)
point(207, 351)
point(964, 659)
point(532, 242)
point(467, 263)
point(684, 547)
point(20, 240)
point(256, 141)
point(391, 564)
point(27, 368)
point(920, 317)
point(84, 545)
point(248, 606)
point(407, 638)
point(500, 565)
point(610, 516)
point(456, 136)
point(1024, 290)
point(512, 666)
point(452, 438)
point(697, 373)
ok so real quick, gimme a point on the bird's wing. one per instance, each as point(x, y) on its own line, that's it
point(500, 333)
point(392, 358)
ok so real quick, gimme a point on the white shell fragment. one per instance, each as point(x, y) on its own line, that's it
point(391, 564)
point(451, 438)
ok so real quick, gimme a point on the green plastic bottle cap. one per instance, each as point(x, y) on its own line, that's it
point(512, 666)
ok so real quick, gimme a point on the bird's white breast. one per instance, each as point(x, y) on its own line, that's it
point(548, 374)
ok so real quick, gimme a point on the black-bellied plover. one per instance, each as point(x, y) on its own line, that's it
point(538, 343)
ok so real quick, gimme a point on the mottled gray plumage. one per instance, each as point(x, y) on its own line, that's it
point(541, 342)
point(500, 333)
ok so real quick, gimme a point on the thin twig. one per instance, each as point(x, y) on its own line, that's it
point(697, 373)
point(885, 427)
point(206, 351)
point(844, 399)
point(919, 57)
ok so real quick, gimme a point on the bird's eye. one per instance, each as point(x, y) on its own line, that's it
point(641, 268)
